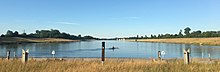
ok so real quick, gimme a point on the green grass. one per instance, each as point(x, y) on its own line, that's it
point(109, 66)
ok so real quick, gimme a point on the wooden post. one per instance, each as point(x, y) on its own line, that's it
point(25, 55)
point(103, 52)
point(186, 56)
point(8, 54)
point(14, 54)
point(210, 57)
point(159, 55)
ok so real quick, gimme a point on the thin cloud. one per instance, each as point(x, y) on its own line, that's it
point(127, 18)
point(67, 23)
point(131, 17)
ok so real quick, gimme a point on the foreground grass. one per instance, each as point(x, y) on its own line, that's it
point(109, 66)
point(203, 41)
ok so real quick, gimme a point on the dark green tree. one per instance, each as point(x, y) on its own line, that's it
point(16, 34)
point(9, 34)
point(145, 37)
point(79, 36)
point(2, 35)
point(180, 34)
point(187, 31)
point(196, 33)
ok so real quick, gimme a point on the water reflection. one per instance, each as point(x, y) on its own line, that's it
point(124, 49)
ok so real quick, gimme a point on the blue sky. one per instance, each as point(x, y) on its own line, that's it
point(109, 18)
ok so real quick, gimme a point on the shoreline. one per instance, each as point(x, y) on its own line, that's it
point(18, 40)
point(215, 41)
point(110, 65)
point(195, 60)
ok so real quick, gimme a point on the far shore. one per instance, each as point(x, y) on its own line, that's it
point(199, 41)
point(18, 40)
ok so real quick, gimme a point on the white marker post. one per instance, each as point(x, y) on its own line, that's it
point(53, 53)
point(209, 57)
point(163, 53)
point(25, 55)
point(8, 54)
point(186, 56)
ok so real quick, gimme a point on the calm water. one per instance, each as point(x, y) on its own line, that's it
point(126, 49)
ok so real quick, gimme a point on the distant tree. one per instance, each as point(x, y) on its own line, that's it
point(88, 37)
point(151, 36)
point(79, 36)
point(175, 36)
point(45, 34)
point(137, 36)
point(218, 32)
point(159, 36)
point(167, 35)
point(37, 32)
point(154, 36)
point(145, 36)
point(180, 34)
point(16, 34)
point(54, 33)
point(187, 31)
point(23, 35)
point(9, 34)
point(210, 34)
point(2, 35)
point(142, 37)
point(196, 33)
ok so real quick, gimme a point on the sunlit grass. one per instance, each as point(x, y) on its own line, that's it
point(114, 65)
point(201, 41)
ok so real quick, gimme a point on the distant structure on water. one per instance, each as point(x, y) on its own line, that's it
point(120, 39)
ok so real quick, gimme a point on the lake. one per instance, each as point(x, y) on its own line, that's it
point(126, 49)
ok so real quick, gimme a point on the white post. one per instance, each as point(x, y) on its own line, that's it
point(25, 55)
point(209, 57)
point(53, 53)
point(8, 54)
point(186, 56)
point(14, 54)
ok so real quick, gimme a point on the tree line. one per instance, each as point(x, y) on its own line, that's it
point(186, 34)
point(53, 33)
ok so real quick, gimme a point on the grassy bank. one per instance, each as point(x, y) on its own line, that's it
point(203, 41)
point(111, 65)
point(8, 40)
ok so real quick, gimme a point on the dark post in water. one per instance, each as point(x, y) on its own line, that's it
point(8, 54)
point(103, 52)
point(159, 55)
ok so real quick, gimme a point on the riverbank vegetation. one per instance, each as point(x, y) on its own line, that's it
point(18, 40)
point(46, 34)
point(118, 65)
point(199, 41)
point(40, 36)
point(186, 34)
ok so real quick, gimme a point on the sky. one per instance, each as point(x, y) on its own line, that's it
point(109, 18)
